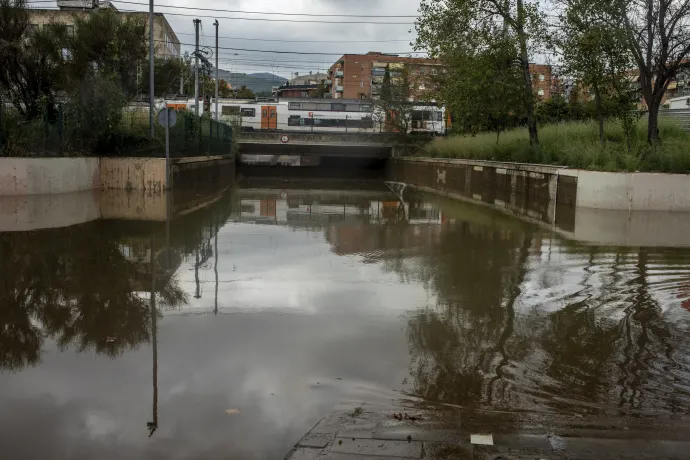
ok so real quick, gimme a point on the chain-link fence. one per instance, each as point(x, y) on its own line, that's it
point(59, 133)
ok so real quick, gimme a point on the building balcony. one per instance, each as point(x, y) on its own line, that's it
point(339, 74)
point(339, 89)
point(328, 82)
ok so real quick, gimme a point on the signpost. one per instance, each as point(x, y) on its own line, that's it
point(167, 117)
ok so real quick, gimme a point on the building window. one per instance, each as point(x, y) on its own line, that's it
point(70, 30)
point(541, 77)
point(294, 106)
point(230, 110)
point(540, 92)
point(248, 112)
point(361, 84)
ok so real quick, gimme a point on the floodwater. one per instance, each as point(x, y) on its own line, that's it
point(271, 305)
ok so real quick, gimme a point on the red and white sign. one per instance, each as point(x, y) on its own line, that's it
point(284, 139)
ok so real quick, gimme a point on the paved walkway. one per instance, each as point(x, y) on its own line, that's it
point(406, 432)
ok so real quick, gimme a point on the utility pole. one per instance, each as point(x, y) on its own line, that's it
point(216, 24)
point(196, 66)
point(151, 101)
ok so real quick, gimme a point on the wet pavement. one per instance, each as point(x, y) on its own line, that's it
point(231, 330)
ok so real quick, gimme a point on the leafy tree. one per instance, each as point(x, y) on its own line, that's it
point(393, 107)
point(657, 34)
point(448, 28)
point(30, 60)
point(245, 93)
point(484, 90)
point(595, 53)
point(107, 45)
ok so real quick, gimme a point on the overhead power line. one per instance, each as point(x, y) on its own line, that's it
point(301, 41)
point(272, 13)
point(232, 18)
point(293, 52)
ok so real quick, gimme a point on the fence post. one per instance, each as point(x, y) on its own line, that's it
point(210, 136)
point(45, 130)
point(2, 123)
point(60, 128)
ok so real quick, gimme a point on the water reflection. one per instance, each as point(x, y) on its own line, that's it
point(283, 303)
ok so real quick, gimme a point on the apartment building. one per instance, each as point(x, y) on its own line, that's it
point(360, 76)
point(542, 80)
point(167, 45)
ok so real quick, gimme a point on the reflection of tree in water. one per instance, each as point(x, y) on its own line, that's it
point(73, 285)
point(474, 272)
point(606, 345)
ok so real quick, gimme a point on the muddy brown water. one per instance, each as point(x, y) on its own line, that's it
point(271, 305)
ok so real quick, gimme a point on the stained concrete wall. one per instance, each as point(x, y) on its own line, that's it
point(36, 176)
point(586, 189)
point(133, 174)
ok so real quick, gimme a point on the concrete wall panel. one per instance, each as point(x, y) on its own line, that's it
point(133, 174)
point(37, 176)
point(660, 192)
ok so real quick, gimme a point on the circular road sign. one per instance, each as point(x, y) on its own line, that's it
point(171, 118)
point(284, 139)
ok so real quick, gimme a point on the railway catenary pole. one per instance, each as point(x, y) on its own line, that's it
point(196, 66)
point(151, 96)
point(216, 24)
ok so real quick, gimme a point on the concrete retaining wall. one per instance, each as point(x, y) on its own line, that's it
point(490, 181)
point(37, 176)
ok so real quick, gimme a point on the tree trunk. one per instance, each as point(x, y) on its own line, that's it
point(653, 121)
point(600, 114)
point(524, 62)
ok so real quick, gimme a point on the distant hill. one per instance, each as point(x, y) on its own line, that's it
point(257, 82)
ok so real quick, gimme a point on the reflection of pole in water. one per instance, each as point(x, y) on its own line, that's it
point(152, 426)
point(215, 266)
point(196, 275)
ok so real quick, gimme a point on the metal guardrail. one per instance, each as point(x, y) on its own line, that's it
point(682, 116)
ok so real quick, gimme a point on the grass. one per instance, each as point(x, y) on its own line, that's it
point(576, 145)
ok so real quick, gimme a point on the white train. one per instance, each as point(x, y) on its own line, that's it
point(321, 115)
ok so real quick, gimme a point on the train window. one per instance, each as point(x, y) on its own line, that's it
point(338, 107)
point(308, 106)
point(246, 112)
point(352, 108)
point(230, 110)
point(438, 116)
point(294, 120)
point(365, 108)
point(295, 106)
point(325, 107)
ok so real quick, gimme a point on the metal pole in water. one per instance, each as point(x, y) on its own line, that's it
point(151, 98)
point(216, 24)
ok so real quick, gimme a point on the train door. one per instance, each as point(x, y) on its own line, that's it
point(269, 117)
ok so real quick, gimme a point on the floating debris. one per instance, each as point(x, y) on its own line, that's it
point(482, 439)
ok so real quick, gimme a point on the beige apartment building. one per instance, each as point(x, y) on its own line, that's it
point(167, 45)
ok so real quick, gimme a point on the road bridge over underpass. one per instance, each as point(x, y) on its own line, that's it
point(353, 145)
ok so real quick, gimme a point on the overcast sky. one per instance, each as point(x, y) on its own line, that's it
point(337, 38)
